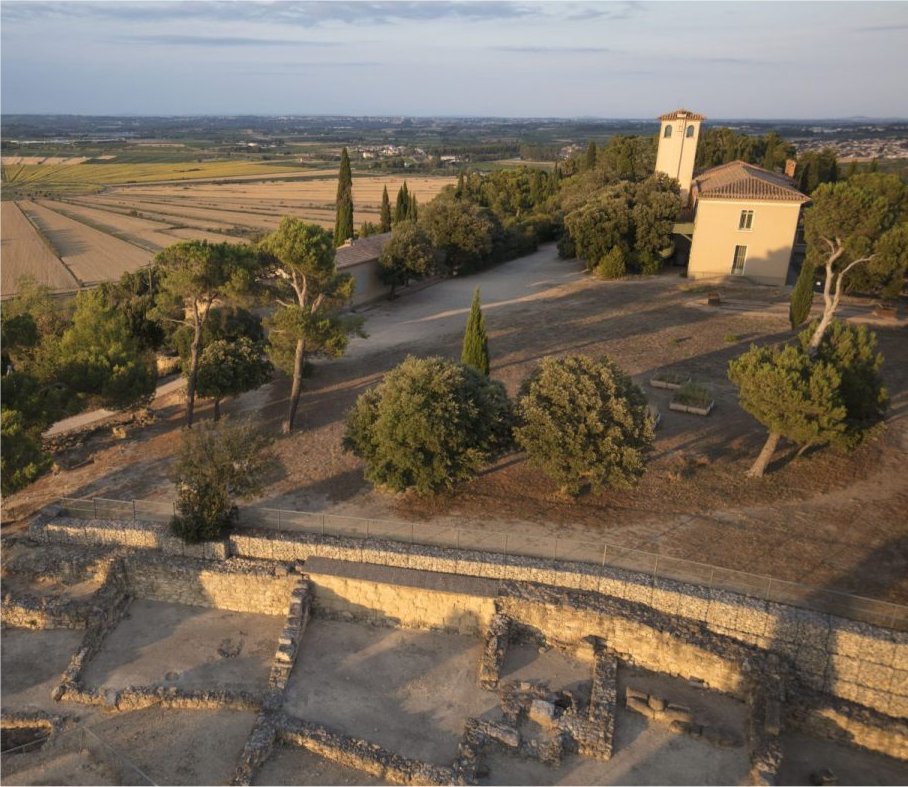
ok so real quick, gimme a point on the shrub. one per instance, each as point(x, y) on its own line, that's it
point(802, 295)
point(217, 462)
point(612, 265)
point(583, 422)
point(693, 395)
point(430, 424)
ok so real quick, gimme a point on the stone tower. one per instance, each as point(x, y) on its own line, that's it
point(678, 138)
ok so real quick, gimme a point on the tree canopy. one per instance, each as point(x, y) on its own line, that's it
point(310, 292)
point(583, 422)
point(407, 255)
point(428, 425)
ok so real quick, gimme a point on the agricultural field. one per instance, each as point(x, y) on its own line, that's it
point(25, 252)
point(55, 175)
point(92, 256)
point(90, 238)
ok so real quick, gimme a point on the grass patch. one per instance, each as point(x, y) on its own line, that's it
point(693, 395)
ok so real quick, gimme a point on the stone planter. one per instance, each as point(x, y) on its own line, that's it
point(713, 299)
point(694, 409)
point(671, 385)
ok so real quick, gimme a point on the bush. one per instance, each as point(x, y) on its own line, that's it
point(647, 263)
point(693, 395)
point(584, 422)
point(612, 265)
point(430, 424)
point(217, 462)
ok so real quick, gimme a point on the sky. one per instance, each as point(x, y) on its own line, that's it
point(504, 59)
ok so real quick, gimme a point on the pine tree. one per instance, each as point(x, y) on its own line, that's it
point(802, 295)
point(475, 342)
point(343, 227)
point(385, 211)
point(403, 204)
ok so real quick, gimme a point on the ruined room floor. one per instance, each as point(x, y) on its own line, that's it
point(32, 662)
point(189, 647)
point(804, 755)
point(167, 746)
point(406, 690)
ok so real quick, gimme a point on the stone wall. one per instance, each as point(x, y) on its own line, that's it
point(116, 533)
point(854, 661)
point(237, 585)
point(864, 664)
point(400, 597)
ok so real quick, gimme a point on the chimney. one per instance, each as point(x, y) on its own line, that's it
point(790, 165)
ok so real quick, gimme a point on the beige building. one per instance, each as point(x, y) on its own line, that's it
point(745, 218)
point(745, 223)
point(678, 138)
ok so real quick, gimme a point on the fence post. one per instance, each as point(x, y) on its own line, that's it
point(506, 540)
point(134, 517)
point(604, 552)
point(94, 502)
point(555, 556)
point(769, 589)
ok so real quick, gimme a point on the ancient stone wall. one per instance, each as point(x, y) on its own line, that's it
point(855, 661)
point(864, 664)
point(237, 585)
point(400, 597)
point(135, 535)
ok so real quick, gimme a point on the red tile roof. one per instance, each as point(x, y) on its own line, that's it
point(361, 250)
point(738, 179)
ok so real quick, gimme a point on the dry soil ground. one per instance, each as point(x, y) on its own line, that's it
point(826, 519)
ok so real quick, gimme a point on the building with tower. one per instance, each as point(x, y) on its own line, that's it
point(745, 218)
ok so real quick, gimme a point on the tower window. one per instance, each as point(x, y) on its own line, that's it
point(737, 264)
point(690, 131)
point(747, 220)
point(668, 132)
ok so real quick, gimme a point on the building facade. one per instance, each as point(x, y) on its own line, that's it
point(745, 218)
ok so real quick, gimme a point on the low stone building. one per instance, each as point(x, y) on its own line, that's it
point(360, 258)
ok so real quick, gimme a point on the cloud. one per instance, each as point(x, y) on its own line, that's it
point(883, 28)
point(305, 14)
point(217, 41)
point(296, 68)
point(560, 50)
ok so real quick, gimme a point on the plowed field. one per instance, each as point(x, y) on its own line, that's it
point(25, 253)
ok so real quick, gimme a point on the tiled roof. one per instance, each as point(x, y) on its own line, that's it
point(678, 114)
point(738, 179)
point(361, 250)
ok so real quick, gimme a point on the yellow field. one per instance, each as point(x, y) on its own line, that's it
point(26, 254)
point(99, 236)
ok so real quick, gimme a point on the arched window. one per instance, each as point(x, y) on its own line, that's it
point(690, 131)
point(668, 132)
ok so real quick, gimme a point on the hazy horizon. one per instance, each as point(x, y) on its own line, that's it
point(509, 60)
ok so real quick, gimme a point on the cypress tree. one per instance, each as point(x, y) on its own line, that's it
point(590, 160)
point(385, 211)
point(802, 295)
point(343, 226)
point(475, 342)
point(459, 191)
point(403, 204)
point(412, 209)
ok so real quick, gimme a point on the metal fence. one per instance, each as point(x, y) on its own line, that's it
point(651, 566)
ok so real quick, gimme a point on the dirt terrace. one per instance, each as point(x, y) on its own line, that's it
point(826, 519)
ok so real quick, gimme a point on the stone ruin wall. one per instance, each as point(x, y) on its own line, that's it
point(857, 664)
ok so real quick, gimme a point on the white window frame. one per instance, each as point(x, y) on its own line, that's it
point(734, 259)
point(749, 214)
